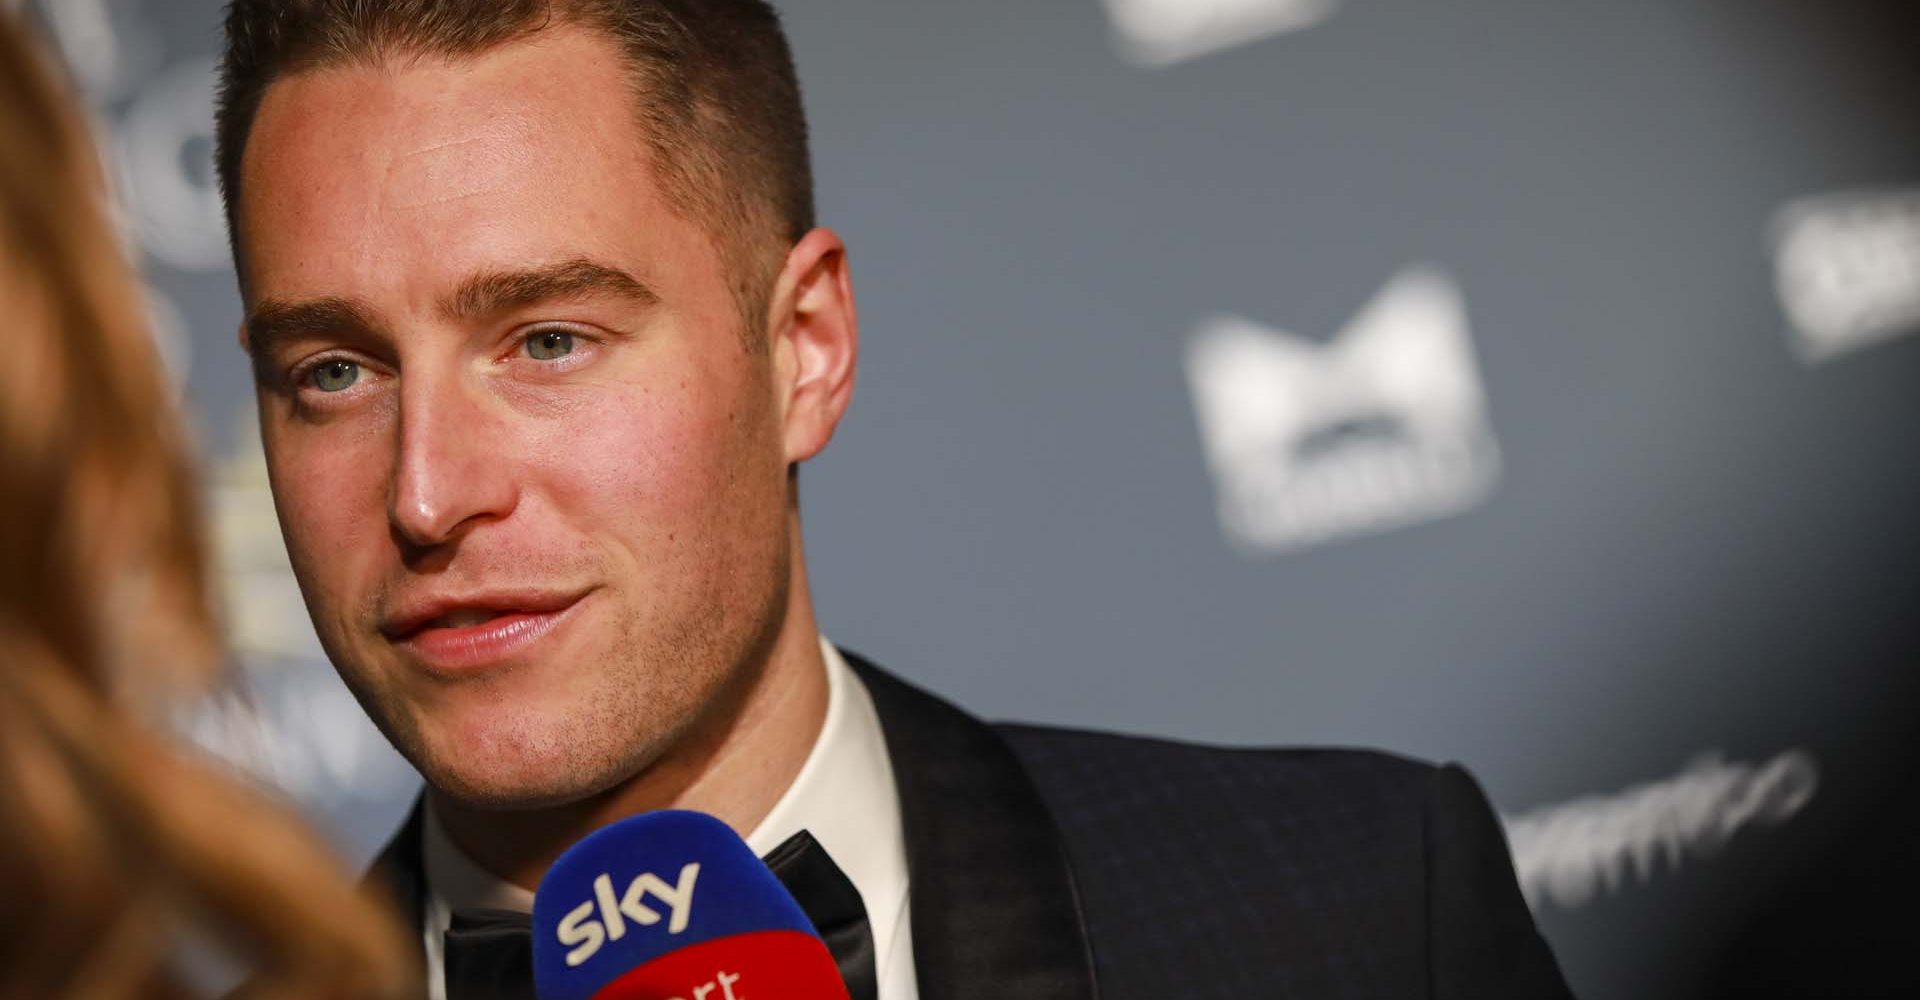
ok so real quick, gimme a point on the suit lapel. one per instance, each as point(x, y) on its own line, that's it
point(401, 872)
point(995, 909)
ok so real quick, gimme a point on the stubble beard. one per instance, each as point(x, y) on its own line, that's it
point(659, 701)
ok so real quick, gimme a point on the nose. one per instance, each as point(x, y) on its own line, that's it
point(453, 469)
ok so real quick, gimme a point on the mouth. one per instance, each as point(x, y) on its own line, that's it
point(462, 635)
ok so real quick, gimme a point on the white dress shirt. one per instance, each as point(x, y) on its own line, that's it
point(844, 795)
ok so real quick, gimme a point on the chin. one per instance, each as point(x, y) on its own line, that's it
point(524, 761)
point(515, 782)
point(488, 793)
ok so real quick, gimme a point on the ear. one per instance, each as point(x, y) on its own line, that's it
point(814, 337)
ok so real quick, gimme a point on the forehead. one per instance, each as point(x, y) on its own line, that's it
point(417, 170)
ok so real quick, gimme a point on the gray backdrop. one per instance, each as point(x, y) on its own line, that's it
point(1586, 455)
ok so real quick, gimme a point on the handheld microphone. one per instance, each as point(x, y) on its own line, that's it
point(673, 905)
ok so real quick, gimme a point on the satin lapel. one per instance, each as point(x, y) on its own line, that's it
point(401, 872)
point(995, 909)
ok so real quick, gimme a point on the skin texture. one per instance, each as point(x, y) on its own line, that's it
point(641, 480)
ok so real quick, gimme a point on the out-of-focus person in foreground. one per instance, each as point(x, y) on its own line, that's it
point(116, 846)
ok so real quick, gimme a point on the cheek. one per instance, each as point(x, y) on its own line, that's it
point(675, 465)
point(329, 489)
point(647, 458)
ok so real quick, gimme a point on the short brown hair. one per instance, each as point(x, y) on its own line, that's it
point(714, 80)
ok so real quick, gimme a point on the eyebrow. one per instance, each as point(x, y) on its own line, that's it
point(274, 322)
point(493, 292)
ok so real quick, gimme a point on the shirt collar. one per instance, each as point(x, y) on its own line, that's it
point(844, 795)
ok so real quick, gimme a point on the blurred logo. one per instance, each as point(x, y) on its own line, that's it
point(155, 129)
point(266, 617)
point(158, 129)
point(109, 47)
point(1847, 267)
point(1386, 425)
point(164, 144)
point(1163, 32)
point(1569, 853)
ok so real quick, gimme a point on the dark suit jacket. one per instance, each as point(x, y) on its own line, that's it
point(1055, 865)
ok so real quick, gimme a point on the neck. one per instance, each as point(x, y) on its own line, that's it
point(735, 764)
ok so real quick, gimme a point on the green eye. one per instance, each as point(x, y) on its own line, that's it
point(549, 345)
point(333, 376)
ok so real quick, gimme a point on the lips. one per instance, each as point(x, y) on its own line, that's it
point(460, 634)
point(465, 618)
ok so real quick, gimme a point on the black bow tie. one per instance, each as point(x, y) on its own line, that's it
point(489, 953)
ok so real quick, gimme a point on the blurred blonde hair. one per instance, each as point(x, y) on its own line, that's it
point(116, 846)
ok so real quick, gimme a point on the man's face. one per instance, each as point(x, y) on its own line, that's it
point(530, 473)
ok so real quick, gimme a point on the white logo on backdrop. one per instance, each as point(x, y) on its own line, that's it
point(1384, 426)
point(266, 617)
point(300, 731)
point(157, 150)
point(106, 58)
point(1569, 853)
point(172, 197)
point(1162, 32)
point(1847, 267)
